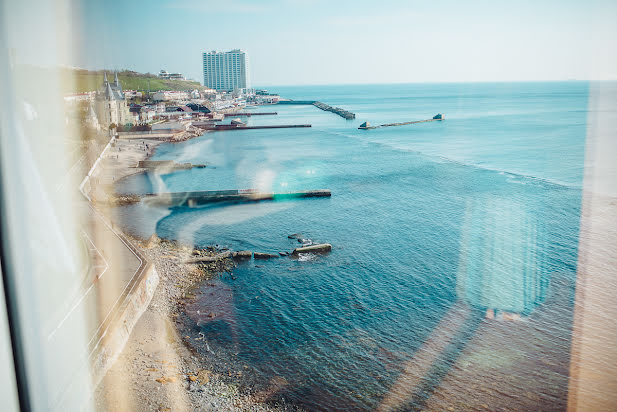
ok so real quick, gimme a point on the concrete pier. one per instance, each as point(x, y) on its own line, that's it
point(301, 102)
point(320, 248)
point(367, 125)
point(167, 165)
point(240, 127)
point(196, 199)
point(249, 114)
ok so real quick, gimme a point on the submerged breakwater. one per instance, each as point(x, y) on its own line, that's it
point(451, 279)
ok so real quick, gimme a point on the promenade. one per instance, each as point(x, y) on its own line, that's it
point(118, 281)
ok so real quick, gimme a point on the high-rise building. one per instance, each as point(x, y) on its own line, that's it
point(226, 70)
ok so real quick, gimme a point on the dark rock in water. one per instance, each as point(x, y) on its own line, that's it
point(294, 236)
point(258, 255)
point(242, 255)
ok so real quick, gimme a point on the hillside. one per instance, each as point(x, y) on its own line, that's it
point(86, 80)
point(31, 79)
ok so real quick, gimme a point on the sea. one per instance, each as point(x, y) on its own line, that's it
point(451, 280)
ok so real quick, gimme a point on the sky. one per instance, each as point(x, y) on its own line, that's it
point(351, 42)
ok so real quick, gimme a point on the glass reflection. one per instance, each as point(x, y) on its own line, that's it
point(500, 266)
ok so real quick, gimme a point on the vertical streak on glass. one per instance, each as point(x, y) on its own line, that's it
point(592, 368)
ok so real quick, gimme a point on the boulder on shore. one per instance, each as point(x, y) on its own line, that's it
point(153, 241)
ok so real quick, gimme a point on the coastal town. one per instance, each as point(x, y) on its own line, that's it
point(146, 283)
point(114, 109)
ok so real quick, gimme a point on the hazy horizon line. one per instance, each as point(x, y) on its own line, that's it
point(435, 82)
point(269, 84)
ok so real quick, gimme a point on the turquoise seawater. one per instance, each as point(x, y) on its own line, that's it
point(435, 227)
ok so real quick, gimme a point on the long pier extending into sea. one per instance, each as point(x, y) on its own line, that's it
point(249, 114)
point(233, 126)
point(367, 125)
point(199, 198)
point(325, 107)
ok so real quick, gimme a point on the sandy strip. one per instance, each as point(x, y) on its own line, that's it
point(122, 158)
point(156, 370)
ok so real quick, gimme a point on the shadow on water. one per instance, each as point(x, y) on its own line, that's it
point(432, 380)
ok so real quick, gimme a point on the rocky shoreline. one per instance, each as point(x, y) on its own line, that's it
point(159, 370)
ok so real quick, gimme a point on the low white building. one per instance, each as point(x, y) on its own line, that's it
point(132, 94)
point(164, 74)
point(265, 99)
point(169, 95)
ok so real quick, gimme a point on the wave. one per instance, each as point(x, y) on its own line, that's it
point(444, 159)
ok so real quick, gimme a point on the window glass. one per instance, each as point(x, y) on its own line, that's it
point(397, 206)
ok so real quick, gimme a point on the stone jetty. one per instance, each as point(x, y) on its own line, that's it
point(337, 110)
point(325, 107)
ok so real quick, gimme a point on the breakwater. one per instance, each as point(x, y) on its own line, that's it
point(207, 126)
point(199, 198)
point(167, 165)
point(249, 114)
point(298, 102)
point(337, 110)
point(243, 255)
point(323, 106)
point(367, 125)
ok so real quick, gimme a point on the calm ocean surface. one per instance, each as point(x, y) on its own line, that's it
point(432, 225)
